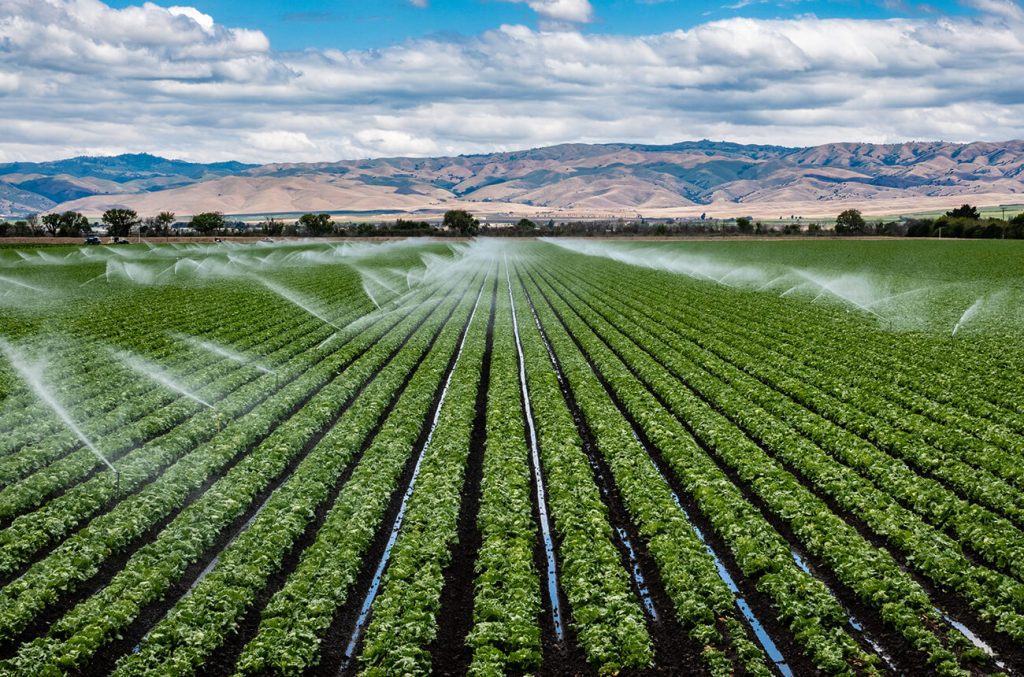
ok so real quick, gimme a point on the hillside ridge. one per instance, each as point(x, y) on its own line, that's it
point(567, 180)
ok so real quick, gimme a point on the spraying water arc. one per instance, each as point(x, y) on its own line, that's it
point(295, 299)
point(32, 372)
point(223, 351)
point(157, 374)
point(974, 309)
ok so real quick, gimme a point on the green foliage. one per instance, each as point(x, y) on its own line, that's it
point(158, 225)
point(964, 211)
point(67, 224)
point(850, 222)
point(745, 224)
point(462, 222)
point(120, 222)
point(316, 224)
point(207, 222)
point(793, 433)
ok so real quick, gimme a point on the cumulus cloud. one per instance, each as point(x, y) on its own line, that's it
point(578, 11)
point(80, 77)
point(280, 141)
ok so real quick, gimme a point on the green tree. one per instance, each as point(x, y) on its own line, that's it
point(272, 226)
point(964, 211)
point(120, 222)
point(157, 225)
point(317, 224)
point(850, 222)
point(68, 224)
point(163, 222)
point(462, 222)
point(208, 222)
point(526, 224)
point(745, 224)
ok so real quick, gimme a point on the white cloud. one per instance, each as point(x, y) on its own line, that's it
point(9, 83)
point(578, 11)
point(77, 76)
point(1007, 9)
point(205, 21)
point(280, 141)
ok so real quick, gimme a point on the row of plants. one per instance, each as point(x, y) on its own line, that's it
point(129, 409)
point(404, 617)
point(605, 613)
point(506, 635)
point(702, 601)
point(801, 602)
point(870, 573)
point(201, 622)
point(776, 423)
point(291, 629)
point(997, 540)
point(119, 395)
point(950, 374)
point(225, 378)
point(910, 388)
point(34, 531)
point(92, 388)
point(79, 558)
point(874, 414)
point(85, 387)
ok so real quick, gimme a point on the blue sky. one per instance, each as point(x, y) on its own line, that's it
point(359, 24)
point(322, 80)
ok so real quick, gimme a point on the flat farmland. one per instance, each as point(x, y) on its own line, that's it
point(512, 456)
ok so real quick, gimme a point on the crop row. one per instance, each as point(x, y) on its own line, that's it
point(123, 395)
point(404, 621)
point(104, 386)
point(80, 557)
point(200, 622)
point(873, 413)
point(506, 636)
point(606, 615)
point(227, 377)
point(702, 602)
point(803, 603)
point(291, 630)
point(870, 573)
point(995, 596)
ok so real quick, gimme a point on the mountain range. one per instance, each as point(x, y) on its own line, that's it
point(565, 181)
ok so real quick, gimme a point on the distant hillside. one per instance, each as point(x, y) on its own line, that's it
point(39, 186)
point(567, 180)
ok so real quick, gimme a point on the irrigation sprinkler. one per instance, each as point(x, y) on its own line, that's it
point(31, 373)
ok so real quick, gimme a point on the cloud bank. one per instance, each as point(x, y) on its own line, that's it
point(80, 77)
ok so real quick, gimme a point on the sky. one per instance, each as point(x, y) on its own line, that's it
point(324, 80)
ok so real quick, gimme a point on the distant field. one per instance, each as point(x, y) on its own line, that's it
point(567, 456)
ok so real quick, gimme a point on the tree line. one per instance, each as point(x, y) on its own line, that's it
point(121, 222)
point(963, 222)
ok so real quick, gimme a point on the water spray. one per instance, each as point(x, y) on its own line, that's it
point(32, 373)
point(968, 314)
point(157, 374)
point(295, 299)
point(224, 352)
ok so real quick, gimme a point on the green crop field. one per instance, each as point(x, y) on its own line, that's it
point(506, 457)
